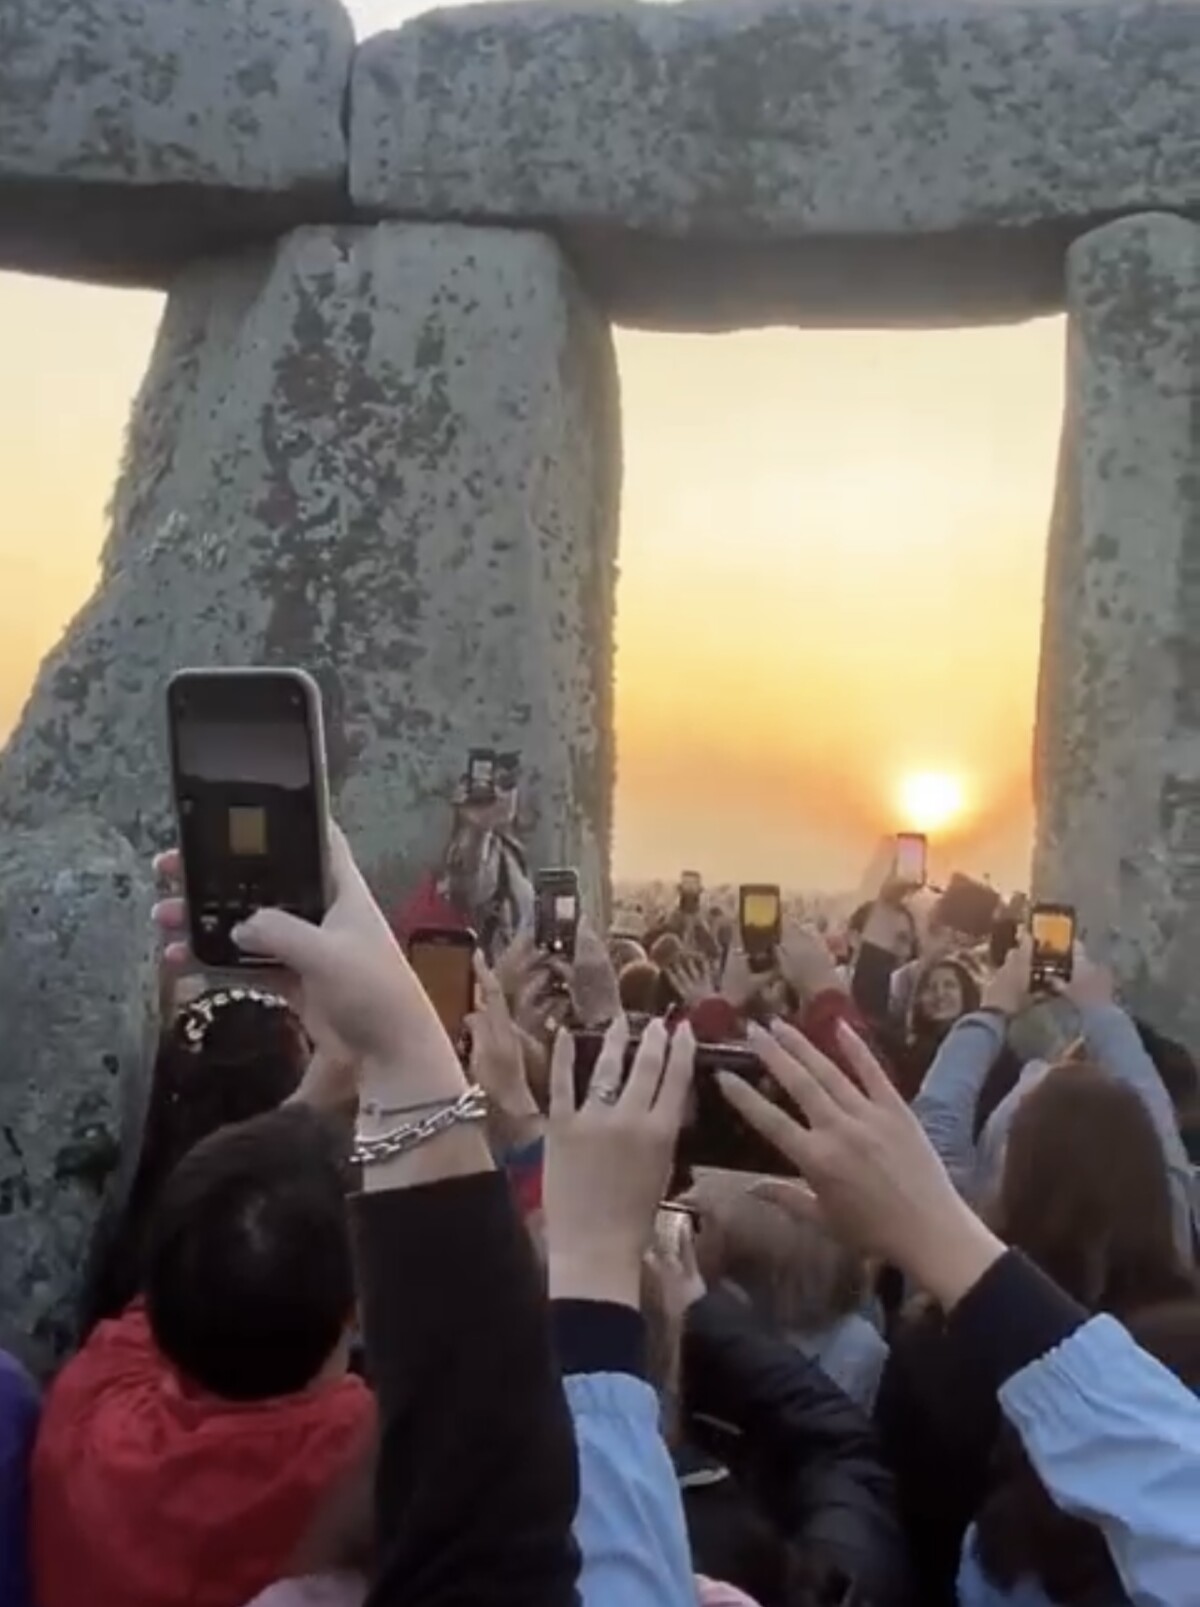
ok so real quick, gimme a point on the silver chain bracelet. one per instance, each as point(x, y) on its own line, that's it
point(469, 1107)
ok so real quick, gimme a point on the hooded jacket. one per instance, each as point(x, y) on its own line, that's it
point(150, 1493)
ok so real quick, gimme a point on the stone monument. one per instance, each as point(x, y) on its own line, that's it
point(379, 435)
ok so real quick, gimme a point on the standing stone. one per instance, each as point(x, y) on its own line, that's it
point(77, 1004)
point(390, 455)
point(1118, 744)
point(136, 134)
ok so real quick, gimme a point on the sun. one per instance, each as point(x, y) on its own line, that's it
point(931, 800)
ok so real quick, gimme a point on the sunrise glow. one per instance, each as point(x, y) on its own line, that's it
point(932, 800)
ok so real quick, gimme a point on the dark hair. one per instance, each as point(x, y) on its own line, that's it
point(919, 1023)
point(231, 1054)
point(857, 924)
point(1175, 1064)
point(249, 1281)
point(1022, 1534)
point(1085, 1192)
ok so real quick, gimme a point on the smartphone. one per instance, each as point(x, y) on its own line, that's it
point(713, 1133)
point(760, 918)
point(1052, 928)
point(248, 774)
point(556, 912)
point(691, 885)
point(443, 959)
point(481, 775)
point(912, 858)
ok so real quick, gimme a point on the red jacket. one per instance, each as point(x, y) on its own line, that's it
point(149, 1494)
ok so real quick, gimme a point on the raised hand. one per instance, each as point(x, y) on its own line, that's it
point(1008, 990)
point(739, 984)
point(692, 979)
point(595, 991)
point(806, 962)
point(608, 1159)
point(498, 1062)
point(871, 1175)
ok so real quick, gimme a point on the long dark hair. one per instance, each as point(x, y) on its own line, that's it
point(1085, 1193)
point(1021, 1534)
point(231, 1054)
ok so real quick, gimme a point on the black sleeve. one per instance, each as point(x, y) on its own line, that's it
point(800, 1448)
point(871, 984)
point(937, 1412)
point(478, 1481)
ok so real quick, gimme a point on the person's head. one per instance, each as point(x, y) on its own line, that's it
point(229, 1054)
point(904, 940)
point(946, 990)
point(248, 1277)
point(798, 1278)
point(1084, 1192)
point(667, 950)
point(1021, 1534)
point(623, 951)
point(639, 984)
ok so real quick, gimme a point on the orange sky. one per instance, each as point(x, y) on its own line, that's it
point(832, 555)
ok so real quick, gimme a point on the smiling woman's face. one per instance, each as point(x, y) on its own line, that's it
point(942, 995)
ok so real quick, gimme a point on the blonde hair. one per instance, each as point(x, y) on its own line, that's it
point(798, 1277)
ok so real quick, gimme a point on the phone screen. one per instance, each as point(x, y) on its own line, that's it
point(248, 767)
point(1053, 933)
point(911, 858)
point(760, 912)
point(445, 969)
point(557, 913)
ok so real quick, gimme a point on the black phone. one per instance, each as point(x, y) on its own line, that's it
point(557, 912)
point(912, 858)
point(248, 774)
point(1052, 928)
point(713, 1133)
point(443, 960)
point(760, 918)
point(481, 775)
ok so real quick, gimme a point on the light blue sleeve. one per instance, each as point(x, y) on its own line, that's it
point(1113, 1041)
point(1115, 1438)
point(630, 1525)
point(945, 1105)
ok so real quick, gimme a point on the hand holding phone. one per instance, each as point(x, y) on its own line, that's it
point(248, 774)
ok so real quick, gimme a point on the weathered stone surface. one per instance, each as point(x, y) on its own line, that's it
point(136, 134)
point(731, 162)
point(390, 455)
point(1118, 747)
point(77, 1002)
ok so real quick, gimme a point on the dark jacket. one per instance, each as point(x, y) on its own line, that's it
point(801, 1456)
point(478, 1482)
point(938, 1420)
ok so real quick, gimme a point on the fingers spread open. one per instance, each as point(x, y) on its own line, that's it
point(677, 1079)
point(562, 1076)
point(872, 1078)
point(778, 1128)
point(609, 1070)
point(844, 1093)
point(647, 1073)
point(793, 1077)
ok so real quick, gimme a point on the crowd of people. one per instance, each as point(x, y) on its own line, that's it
point(396, 1320)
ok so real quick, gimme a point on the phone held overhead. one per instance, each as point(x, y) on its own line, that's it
point(760, 919)
point(251, 792)
point(1052, 930)
point(443, 961)
point(556, 912)
point(691, 886)
point(911, 864)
